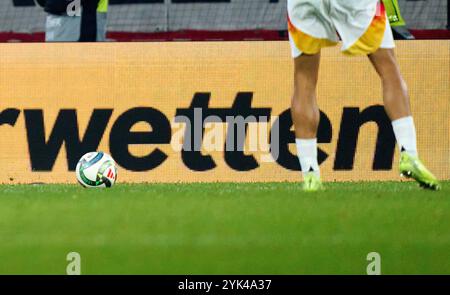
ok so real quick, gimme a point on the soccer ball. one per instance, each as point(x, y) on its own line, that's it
point(96, 169)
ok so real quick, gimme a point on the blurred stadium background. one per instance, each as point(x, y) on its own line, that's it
point(159, 20)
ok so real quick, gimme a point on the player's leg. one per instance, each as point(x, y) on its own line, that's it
point(305, 116)
point(396, 99)
point(397, 105)
point(305, 111)
point(309, 30)
point(395, 94)
point(365, 29)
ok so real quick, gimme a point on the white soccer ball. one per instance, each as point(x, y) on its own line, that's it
point(96, 169)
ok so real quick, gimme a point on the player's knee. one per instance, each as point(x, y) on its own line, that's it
point(396, 82)
point(305, 111)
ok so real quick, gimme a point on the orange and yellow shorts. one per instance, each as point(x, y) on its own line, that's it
point(362, 25)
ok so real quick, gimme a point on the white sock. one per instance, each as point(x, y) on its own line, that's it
point(307, 155)
point(405, 133)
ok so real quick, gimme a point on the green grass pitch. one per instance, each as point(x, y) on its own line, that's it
point(260, 228)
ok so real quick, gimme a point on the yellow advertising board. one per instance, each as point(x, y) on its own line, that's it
point(141, 102)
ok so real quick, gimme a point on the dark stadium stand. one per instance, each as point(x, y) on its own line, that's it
point(23, 21)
